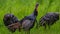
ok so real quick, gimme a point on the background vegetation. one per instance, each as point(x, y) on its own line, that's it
point(21, 8)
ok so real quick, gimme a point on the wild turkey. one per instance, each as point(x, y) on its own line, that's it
point(9, 19)
point(49, 19)
point(28, 21)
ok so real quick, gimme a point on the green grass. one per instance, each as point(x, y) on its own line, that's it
point(21, 8)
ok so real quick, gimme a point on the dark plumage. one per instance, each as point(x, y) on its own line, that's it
point(49, 19)
point(9, 19)
point(28, 21)
point(15, 26)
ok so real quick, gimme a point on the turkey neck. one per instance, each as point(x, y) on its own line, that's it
point(35, 10)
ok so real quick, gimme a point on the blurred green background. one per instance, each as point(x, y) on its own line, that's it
point(21, 8)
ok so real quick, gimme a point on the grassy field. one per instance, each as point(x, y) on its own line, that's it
point(21, 8)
